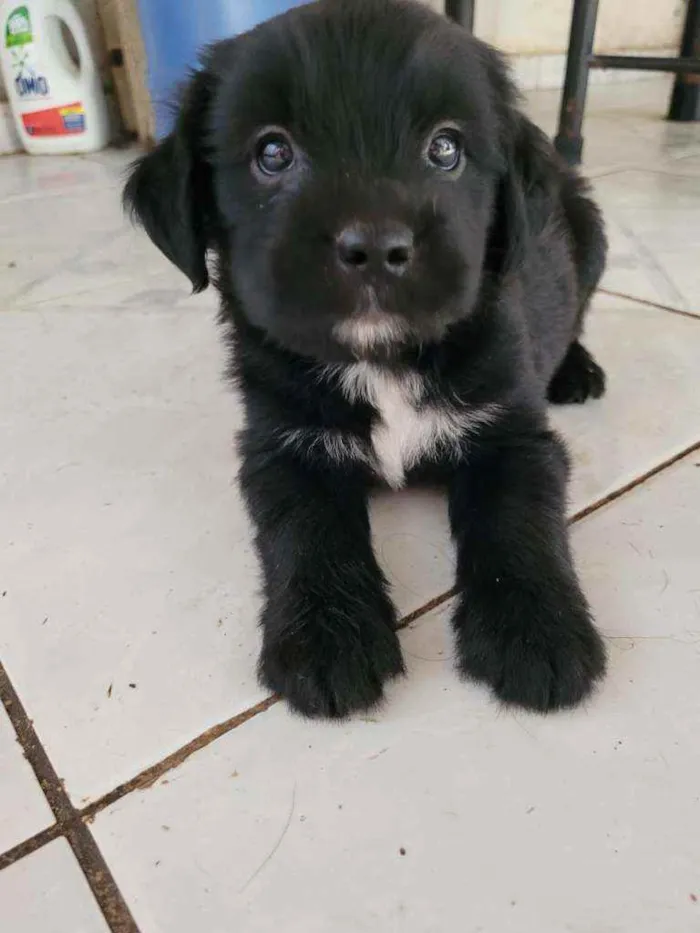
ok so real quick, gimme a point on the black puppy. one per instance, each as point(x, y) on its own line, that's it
point(403, 267)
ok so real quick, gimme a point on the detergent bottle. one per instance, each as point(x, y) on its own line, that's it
point(58, 105)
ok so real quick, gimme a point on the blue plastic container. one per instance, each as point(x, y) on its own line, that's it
point(175, 30)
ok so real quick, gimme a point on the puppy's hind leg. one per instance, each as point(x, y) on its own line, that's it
point(578, 378)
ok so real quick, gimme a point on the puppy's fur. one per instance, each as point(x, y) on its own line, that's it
point(393, 316)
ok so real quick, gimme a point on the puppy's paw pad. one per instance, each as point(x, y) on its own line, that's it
point(578, 378)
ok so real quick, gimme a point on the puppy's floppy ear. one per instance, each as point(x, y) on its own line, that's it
point(529, 188)
point(530, 179)
point(169, 190)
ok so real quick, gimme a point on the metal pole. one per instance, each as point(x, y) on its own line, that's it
point(685, 100)
point(462, 11)
point(569, 142)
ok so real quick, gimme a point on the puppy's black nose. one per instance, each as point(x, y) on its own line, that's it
point(365, 248)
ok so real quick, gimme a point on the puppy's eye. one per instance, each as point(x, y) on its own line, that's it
point(445, 151)
point(274, 154)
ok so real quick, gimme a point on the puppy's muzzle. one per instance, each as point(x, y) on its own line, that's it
point(370, 251)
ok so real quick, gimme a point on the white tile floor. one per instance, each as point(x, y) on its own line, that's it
point(27, 812)
point(128, 596)
point(46, 893)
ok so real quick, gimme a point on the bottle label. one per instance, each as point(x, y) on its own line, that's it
point(18, 30)
point(29, 83)
point(58, 121)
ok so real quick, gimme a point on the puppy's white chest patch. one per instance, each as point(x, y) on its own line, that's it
point(405, 431)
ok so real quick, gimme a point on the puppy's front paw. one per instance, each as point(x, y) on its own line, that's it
point(329, 660)
point(535, 650)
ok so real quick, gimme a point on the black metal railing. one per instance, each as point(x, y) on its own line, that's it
point(462, 11)
point(685, 101)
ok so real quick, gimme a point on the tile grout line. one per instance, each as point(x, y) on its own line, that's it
point(650, 304)
point(27, 846)
point(595, 174)
point(68, 822)
point(667, 173)
point(433, 603)
point(149, 776)
point(578, 516)
point(635, 483)
point(623, 168)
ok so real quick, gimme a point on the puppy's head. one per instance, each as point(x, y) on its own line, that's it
point(347, 164)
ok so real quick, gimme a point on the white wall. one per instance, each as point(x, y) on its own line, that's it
point(535, 34)
point(542, 26)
